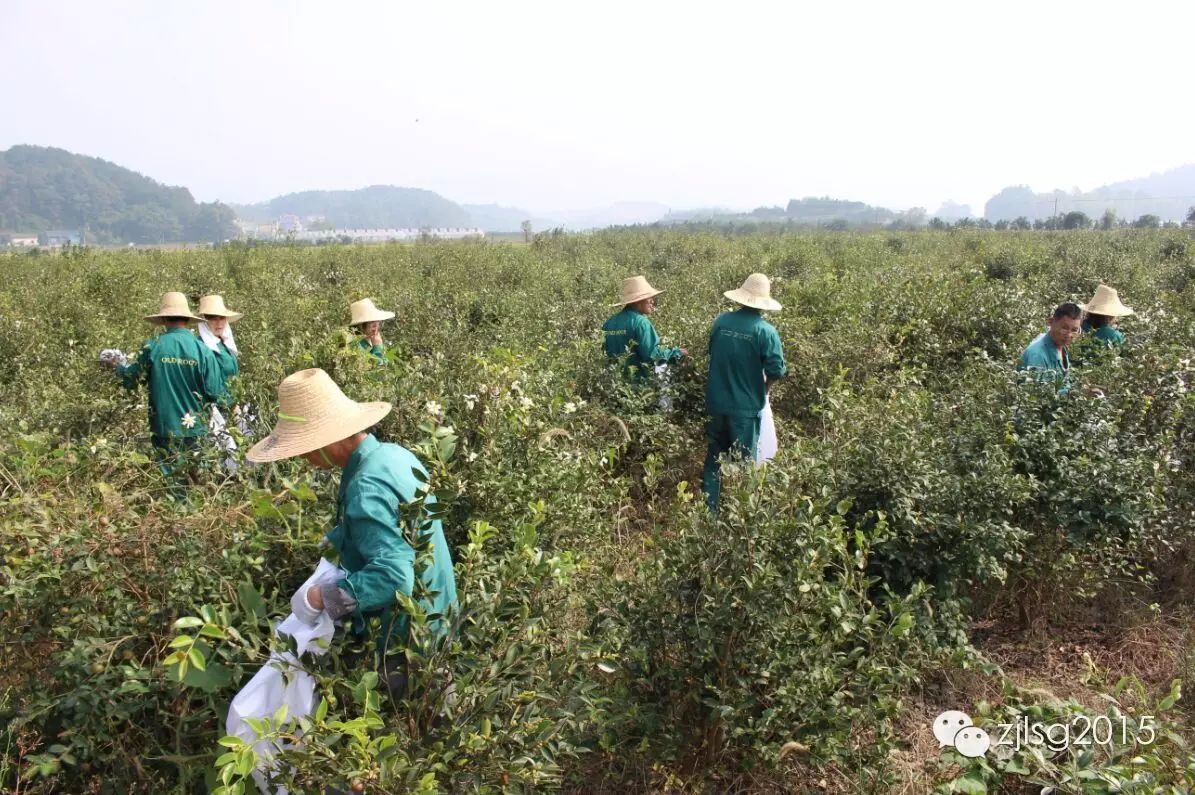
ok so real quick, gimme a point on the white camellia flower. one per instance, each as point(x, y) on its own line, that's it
point(188, 421)
point(470, 401)
point(433, 408)
point(570, 407)
point(526, 402)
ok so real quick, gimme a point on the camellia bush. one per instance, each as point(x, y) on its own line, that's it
point(613, 634)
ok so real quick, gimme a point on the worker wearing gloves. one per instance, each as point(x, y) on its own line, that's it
point(629, 333)
point(742, 344)
point(318, 422)
point(367, 321)
point(183, 378)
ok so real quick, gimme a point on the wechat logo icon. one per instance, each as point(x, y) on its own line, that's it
point(954, 729)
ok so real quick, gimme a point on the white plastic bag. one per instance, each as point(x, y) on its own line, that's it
point(665, 387)
point(765, 450)
point(218, 427)
point(282, 681)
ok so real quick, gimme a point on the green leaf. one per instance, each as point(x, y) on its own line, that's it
point(211, 631)
point(196, 658)
point(971, 784)
point(188, 622)
point(251, 599)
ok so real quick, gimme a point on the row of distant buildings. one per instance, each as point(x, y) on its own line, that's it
point(54, 238)
point(313, 230)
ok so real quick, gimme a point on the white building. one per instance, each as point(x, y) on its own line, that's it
point(386, 235)
point(23, 241)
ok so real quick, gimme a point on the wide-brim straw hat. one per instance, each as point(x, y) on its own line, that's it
point(313, 413)
point(213, 305)
point(1106, 302)
point(636, 288)
point(756, 293)
point(364, 311)
point(172, 305)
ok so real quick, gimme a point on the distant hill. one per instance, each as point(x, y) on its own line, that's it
point(496, 218)
point(1168, 195)
point(811, 210)
point(375, 207)
point(43, 189)
point(617, 214)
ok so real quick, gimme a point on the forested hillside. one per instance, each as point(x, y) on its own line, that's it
point(43, 188)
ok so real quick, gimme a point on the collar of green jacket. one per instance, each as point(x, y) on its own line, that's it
point(367, 446)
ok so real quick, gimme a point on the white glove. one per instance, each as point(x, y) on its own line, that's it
point(302, 608)
point(113, 357)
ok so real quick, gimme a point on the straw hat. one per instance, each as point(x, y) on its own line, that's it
point(313, 413)
point(364, 312)
point(1106, 302)
point(214, 305)
point(636, 288)
point(756, 293)
point(172, 305)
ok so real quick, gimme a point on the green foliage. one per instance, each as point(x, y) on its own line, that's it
point(42, 188)
point(759, 628)
point(1136, 744)
point(610, 627)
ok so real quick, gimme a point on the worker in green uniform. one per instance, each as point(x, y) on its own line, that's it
point(183, 379)
point(1047, 356)
point(215, 330)
point(367, 321)
point(746, 358)
point(318, 422)
point(630, 334)
point(1101, 314)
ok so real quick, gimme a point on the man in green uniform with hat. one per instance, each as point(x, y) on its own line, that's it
point(183, 378)
point(746, 356)
point(629, 333)
point(330, 431)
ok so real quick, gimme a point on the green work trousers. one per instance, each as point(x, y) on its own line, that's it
point(738, 436)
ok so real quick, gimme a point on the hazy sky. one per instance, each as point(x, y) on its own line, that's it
point(576, 104)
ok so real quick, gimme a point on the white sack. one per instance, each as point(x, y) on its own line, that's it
point(282, 680)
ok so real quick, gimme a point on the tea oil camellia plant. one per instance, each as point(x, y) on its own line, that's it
point(612, 635)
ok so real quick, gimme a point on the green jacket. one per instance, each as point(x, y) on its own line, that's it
point(1050, 364)
point(227, 360)
point(1112, 337)
point(1043, 354)
point(630, 333)
point(373, 550)
point(183, 378)
point(377, 351)
point(743, 346)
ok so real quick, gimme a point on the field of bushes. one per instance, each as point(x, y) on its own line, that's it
point(936, 532)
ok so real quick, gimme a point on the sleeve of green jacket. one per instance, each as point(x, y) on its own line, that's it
point(215, 389)
point(772, 354)
point(647, 344)
point(390, 560)
point(227, 360)
point(136, 371)
point(376, 351)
